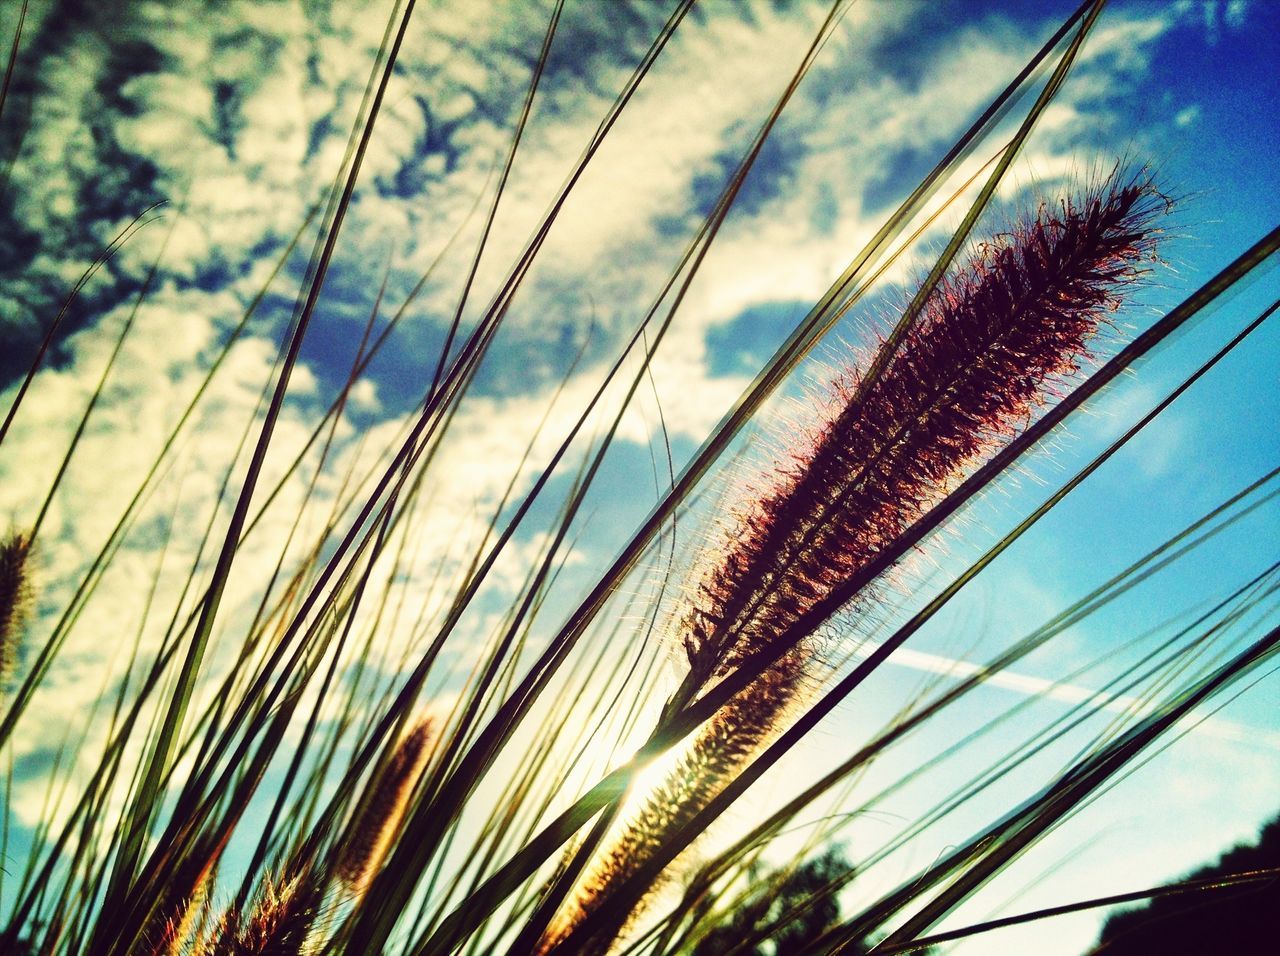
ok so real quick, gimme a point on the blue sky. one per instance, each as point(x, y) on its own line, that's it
point(236, 118)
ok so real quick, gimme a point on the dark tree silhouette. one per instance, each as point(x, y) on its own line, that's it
point(775, 896)
point(1241, 921)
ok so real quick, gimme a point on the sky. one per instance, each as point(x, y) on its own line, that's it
point(235, 117)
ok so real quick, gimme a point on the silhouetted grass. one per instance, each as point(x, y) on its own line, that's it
point(335, 757)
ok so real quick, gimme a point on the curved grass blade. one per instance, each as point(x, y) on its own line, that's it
point(1231, 881)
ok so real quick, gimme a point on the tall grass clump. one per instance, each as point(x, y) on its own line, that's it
point(439, 549)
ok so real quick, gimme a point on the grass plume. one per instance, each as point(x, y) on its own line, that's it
point(279, 921)
point(386, 798)
point(987, 349)
point(15, 598)
point(991, 342)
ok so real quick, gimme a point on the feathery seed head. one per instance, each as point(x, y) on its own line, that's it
point(374, 826)
point(983, 354)
point(15, 596)
point(279, 922)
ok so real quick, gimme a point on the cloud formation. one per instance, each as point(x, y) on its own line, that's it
point(237, 116)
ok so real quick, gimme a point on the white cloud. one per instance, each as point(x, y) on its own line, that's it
point(1235, 13)
point(1042, 689)
point(1187, 116)
point(232, 197)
